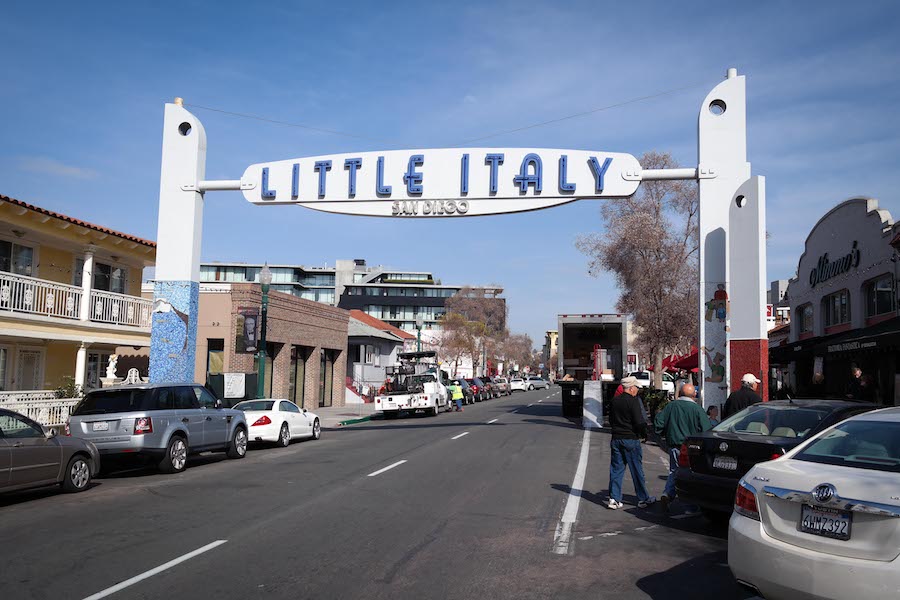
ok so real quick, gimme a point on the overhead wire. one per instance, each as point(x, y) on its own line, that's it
point(465, 142)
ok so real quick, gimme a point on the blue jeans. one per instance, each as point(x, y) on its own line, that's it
point(621, 453)
point(459, 404)
point(673, 465)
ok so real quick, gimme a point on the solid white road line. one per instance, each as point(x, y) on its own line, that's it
point(530, 405)
point(152, 572)
point(387, 468)
point(492, 421)
point(562, 542)
point(456, 437)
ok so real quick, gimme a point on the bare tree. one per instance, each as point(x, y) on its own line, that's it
point(651, 247)
point(518, 349)
point(476, 305)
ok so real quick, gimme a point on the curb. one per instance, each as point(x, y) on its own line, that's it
point(354, 421)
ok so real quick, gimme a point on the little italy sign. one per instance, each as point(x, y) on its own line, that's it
point(442, 182)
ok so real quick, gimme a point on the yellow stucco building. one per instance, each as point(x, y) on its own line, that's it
point(70, 294)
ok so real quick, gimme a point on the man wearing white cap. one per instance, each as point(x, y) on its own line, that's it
point(628, 427)
point(743, 397)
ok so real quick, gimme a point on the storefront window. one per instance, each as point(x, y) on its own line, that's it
point(837, 308)
point(806, 318)
point(879, 296)
point(215, 356)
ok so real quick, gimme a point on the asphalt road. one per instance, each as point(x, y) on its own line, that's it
point(473, 512)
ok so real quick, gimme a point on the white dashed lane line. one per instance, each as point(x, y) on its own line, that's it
point(154, 571)
point(456, 437)
point(530, 405)
point(387, 468)
point(492, 421)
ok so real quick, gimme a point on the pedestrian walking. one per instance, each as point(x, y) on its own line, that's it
point(628, 428)
point(854, 386)
point(743, 397)
point(679, 420)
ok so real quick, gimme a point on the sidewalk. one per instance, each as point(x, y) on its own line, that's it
point(333, 416)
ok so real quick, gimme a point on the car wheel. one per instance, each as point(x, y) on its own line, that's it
point(78, 474)
point(284, 436)
point(435, 411)
point(237, 447)
point(530, 388)
point(175, 458)
point(317, 430)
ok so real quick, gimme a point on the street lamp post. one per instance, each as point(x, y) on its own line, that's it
point(420, 321)
point(265, 278)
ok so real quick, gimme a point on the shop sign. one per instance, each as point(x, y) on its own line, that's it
point(444, 182)
point(848, 346)
point(826, 269)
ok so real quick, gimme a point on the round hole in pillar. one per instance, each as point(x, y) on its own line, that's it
point(717, 107)
point(741, 201)
point(184, 128)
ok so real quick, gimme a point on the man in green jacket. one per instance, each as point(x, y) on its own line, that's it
point(679, 420)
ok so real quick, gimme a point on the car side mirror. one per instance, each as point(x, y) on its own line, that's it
point(218, 404)
point(304, 411)
point(51, 433)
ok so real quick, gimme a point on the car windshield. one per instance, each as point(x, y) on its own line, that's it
point(774, 420)
point(417, 381)
point(862, 444)
point(113, 401)
point(255, 405)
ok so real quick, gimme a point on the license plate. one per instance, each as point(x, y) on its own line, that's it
point(827, 522)
point(728, 463)
point(101, 426)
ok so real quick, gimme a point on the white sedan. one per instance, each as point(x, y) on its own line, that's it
point(279, 421)
point(823, 521)
point(534, 383)
point(517, 384)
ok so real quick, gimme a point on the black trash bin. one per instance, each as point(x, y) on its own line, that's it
point(572, 398)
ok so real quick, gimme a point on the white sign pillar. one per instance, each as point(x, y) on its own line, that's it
point(731, 282)
point(176, 291)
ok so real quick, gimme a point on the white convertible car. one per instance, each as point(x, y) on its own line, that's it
point(279, 421)
point(823, 521)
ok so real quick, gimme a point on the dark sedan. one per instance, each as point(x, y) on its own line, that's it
point(712, 463)
point(480, 389)
point(468, 393)
point(32, 456)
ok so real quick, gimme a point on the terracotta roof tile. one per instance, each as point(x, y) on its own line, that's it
point(75, 221)
point(379, 324)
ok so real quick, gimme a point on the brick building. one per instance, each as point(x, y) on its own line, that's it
point(306, 343)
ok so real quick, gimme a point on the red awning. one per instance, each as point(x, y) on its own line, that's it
point(689, 362)
point(673, 361)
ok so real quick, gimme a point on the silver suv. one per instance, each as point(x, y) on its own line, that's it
point(164, 421)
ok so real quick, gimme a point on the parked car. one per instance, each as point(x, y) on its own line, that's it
point(32, 455)
point(823, 521)
point(494, 386)
point(166, 422)
point(279, 421)
point(712, 463)
point(479, 388)
point(536, 383)
point(502, 385)
point(468, 392)
point(517, 384)
point(645, 380)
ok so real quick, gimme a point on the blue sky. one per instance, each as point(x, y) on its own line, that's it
point(84, 86)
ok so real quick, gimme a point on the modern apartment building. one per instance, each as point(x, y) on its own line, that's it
point(394, 296)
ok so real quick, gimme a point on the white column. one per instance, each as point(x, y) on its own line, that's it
point(87, 282)
point(81, 365)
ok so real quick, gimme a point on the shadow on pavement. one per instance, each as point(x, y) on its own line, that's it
point(22, 496)
point(691, 578)
point(131, 467)
point(697, 524)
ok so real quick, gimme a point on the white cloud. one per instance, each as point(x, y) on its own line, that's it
point(50, 166)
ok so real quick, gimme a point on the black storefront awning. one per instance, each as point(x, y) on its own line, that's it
point(881, 336)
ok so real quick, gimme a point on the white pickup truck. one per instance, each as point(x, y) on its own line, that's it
point(422, 391)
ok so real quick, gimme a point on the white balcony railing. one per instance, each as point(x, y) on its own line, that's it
point(38, 296)
point(22, 294)
point(41, 406)
point(109, 307)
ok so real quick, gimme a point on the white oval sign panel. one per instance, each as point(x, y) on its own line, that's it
point(441, 182)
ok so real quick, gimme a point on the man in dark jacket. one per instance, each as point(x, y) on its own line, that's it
point(743, 397)
point(626, 421)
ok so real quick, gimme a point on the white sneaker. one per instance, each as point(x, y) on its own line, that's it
point(613, 504)
point(647, 502)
